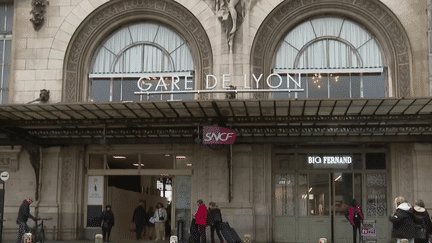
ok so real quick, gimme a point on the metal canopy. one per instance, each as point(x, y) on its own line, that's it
point(255, 121)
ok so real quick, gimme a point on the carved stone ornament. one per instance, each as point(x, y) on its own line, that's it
point(9, 158)
point(38, 13)
point(381, 22)
point(108, 17)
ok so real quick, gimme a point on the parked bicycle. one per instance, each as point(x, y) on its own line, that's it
point(38, 231)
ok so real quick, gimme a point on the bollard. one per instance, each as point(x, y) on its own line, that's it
point(404, 241)
point(98, 238)
point(173, 239)
point(28, 238)
point(323, 240)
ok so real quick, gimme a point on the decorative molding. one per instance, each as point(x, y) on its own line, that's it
point(9, 158)
point(381, 22)
point(38, 13)
point(110, 16)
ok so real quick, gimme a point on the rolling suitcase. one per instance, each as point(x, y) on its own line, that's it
point(229, 234)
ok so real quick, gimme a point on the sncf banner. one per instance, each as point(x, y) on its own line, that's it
point(218, 135)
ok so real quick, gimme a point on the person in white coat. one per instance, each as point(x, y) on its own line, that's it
point(160, 216)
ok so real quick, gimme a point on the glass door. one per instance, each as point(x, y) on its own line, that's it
point(345, 188)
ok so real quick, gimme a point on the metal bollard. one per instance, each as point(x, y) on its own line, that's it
point(247, 238)
point(404, 241)
point(28, 238)
point(98, 238)
point(323, 240)
point(173, 239)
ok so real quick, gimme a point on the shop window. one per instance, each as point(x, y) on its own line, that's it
point(375, 161)
point(343, 183)
point(136, 51)
point(285, 162)
point(6, 18)
point(329, 57)
point(164, 186)
point(284, 194)
point(317, 195)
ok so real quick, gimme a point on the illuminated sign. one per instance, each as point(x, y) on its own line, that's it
point(330, 161)
point(218, 135)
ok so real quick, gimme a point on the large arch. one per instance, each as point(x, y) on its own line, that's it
point(374, 15)
point(112, 15)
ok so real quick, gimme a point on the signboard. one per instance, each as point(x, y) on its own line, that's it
point(330, 161)
point(218, 135)
point(4, 176)
point(368, 231)
point(95, 190)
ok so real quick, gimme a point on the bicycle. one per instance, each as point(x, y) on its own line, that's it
point(38, 231)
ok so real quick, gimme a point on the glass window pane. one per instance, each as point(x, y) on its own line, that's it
point(318, 195)
point(285, 162)
point(128, 89)
point(284, 194)
point(343, 186)
point(339, 86)
point(357, 161)
point(9, 17)
point(2, 17)
point(303, 194)
point(355, 85)
point(375, 161)
point(2, 42)
point(100, 89)
point(116, 90)
point(376, 190)
point(318, 86)
point(181, 86)
point(7, 57)
point(5, 97)
point(374, 85)
point(303, 162)
point(358, 187)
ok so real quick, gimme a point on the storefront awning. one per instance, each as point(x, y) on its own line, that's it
point(362, 120)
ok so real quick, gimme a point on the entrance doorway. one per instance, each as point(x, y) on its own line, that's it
point(310, 201)
point(128, 178)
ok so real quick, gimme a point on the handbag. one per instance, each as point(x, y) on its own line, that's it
point(152, 220)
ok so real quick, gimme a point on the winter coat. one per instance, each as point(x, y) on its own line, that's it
point(423, 223)
point(139, 216)
point(351, 211)
point(403, 222)
point(159, 213)
point(213, 215)
point(201, 215)
point(24, 213)
point(107, 219)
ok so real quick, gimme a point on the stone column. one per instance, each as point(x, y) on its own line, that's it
point(402, 172)
point(422, 175)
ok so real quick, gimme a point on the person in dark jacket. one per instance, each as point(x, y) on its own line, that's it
point(201, 220)
point(107, 222)
point(23, 215)
point(138, 219)
point(214, 219)
point(403, 221)
point(423, 222)
point(355, 216)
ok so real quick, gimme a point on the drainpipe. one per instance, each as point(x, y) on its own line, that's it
point(429, 34)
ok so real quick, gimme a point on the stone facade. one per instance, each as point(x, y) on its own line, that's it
point(53, 58)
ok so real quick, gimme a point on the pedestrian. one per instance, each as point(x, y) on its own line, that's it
point(354, 215)
point(23, 215)
point(139, 217)
point(160, 216)
point(149, 224)
point(403, 221)
point(201, 220)
point(107, 222)
point(214, 219)
point(423, 222)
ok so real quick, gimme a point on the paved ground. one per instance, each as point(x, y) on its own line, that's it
point(88, 241)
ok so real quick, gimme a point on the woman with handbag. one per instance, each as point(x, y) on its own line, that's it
point(422, 221)
point(159, 217)
point(107, 222)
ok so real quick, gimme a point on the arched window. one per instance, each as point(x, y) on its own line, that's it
point(332, 57)
point(135, 51)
